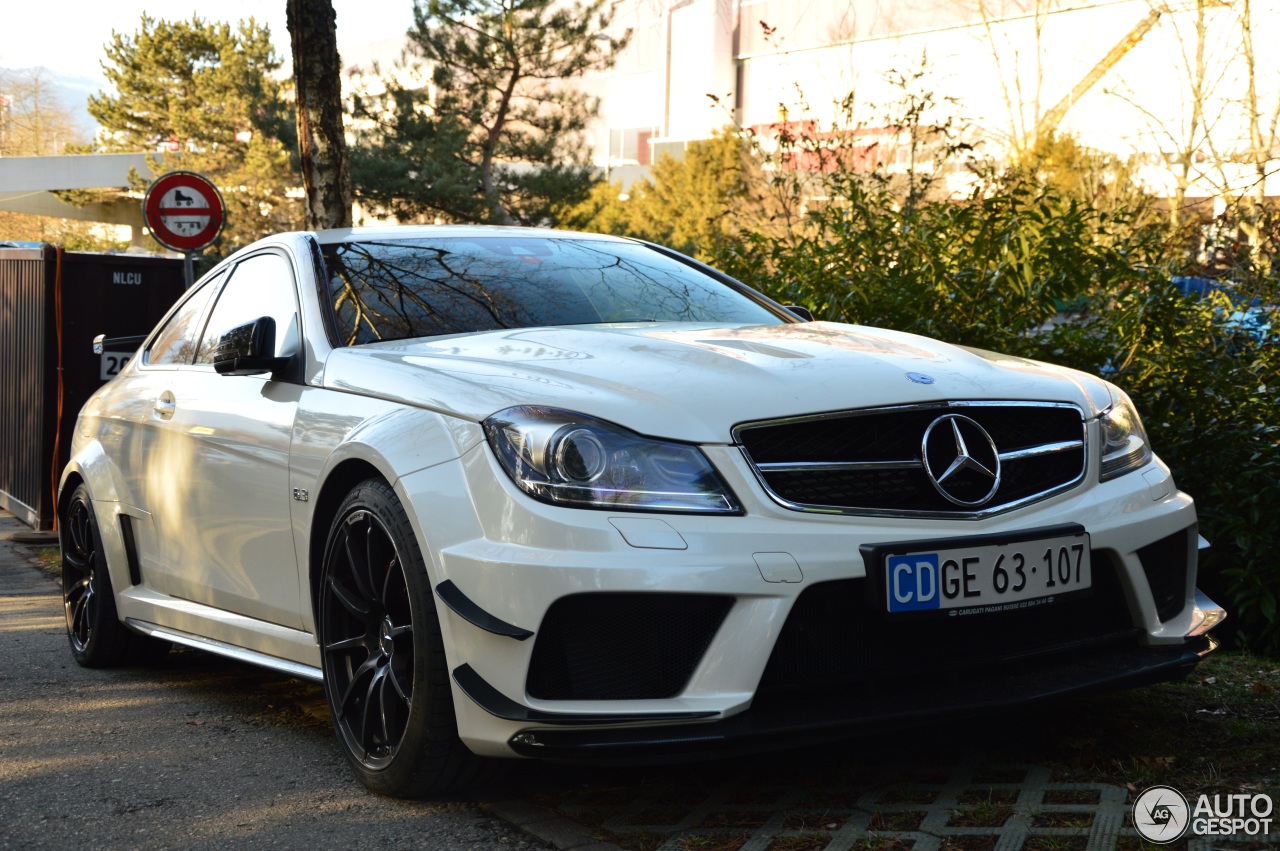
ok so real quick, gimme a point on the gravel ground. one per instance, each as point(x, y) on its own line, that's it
point(195, 753)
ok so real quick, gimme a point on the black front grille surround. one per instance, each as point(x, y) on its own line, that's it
point(870, 462)
point(836, 638)
point(622, 645)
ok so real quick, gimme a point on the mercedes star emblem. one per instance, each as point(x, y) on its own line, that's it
point(961, 460)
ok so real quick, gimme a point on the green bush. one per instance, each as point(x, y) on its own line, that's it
point(1018, 267)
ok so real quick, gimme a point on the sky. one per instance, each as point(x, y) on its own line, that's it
point(67, 36)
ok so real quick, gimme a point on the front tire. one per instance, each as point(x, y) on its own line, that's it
point(98, 638)
point(385, 676)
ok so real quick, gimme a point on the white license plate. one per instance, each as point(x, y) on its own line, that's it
point(112, 363)
point(987, 577)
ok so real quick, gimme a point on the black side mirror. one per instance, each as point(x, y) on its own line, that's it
point(803, 312)
point(249, 349)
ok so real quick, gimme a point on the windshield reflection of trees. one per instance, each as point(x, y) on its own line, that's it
point(389, 290)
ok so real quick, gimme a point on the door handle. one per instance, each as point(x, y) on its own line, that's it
point(165, 405)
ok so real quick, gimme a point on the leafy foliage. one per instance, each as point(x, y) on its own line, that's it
point(206, 90)
point(1032, 263)
point(695, 204)
point(495, 137)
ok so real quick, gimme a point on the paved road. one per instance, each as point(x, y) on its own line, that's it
point(195, 753)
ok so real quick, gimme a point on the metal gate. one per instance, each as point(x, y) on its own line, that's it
point(52, 304)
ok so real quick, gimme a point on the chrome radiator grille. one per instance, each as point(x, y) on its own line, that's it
point(958, 459)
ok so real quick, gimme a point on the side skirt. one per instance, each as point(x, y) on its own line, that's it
point(253, 657)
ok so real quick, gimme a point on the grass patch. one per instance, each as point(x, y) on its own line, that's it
point(1072, 796)
point(738, 818)
point(907, 820)
point(1055, 843)
point(637, 841)
point(988, 808)
point(1062, 820)
point(968, 843)
point(1214, 733)
point(47, 557)
point(1003, 797)
point(658, 815)
point(804, 842)
point(714, 841)
point(883, 843)
point(908, 796)
point(812, 821)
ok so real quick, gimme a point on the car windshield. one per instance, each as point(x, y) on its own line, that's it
point(405, 288)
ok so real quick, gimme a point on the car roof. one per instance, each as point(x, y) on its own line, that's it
point(337, 235)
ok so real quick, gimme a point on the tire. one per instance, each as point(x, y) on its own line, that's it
point(98, 638)
point(385, 676)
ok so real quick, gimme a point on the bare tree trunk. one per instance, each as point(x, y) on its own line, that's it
point(321, 139)
point(1183, 176)
point(1264, 130)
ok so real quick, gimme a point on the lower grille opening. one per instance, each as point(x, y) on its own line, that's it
point(623, 646)
point(832, 640)
point(1165, 564)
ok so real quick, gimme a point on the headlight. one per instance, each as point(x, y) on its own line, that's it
point(1124, 441)
point(571, 459)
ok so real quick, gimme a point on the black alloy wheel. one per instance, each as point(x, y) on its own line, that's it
point(82, 567)
point(98, 638)
point(384, 671)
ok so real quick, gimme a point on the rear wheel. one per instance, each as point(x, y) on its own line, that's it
point(385, 676)
point(98, 638)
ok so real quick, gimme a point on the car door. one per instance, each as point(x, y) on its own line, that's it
point(219, 489)
point(134, 427)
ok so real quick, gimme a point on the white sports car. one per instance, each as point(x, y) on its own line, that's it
point(525, 493)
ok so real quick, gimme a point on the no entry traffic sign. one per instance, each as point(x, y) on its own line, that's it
point(183, 211)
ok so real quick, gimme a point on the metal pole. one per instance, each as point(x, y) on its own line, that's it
point(189, 268)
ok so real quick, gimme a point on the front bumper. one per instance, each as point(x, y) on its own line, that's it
point(516, 559)
point(781, 723)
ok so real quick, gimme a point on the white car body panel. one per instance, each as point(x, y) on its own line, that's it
point(688, 383)
point(224, 494)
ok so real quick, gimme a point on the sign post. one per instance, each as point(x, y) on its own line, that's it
point(184, 211)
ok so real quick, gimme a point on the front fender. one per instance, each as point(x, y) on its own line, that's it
point(341, 439)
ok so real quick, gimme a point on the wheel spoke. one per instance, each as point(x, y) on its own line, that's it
point(365, 667)
point(393, 573)
point(397, 631)
point(385, 707)
point(75, 561)
point(81, 587)
point(363, 733)
point(80, 620)
point(357, 566)
point(395, 682)
point(78, 523)
point(355, 642)
point(350, 601)
point(394, 709)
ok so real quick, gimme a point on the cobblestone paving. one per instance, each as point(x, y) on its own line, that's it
point(1011, 807)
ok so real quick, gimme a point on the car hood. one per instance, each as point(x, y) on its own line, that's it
point(694, 382)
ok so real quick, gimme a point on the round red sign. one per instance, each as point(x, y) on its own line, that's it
point(183, 211)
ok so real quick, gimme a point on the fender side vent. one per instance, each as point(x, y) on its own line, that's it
point(130, 549)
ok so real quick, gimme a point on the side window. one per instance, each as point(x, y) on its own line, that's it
point(176, 342)
point(262, 285)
